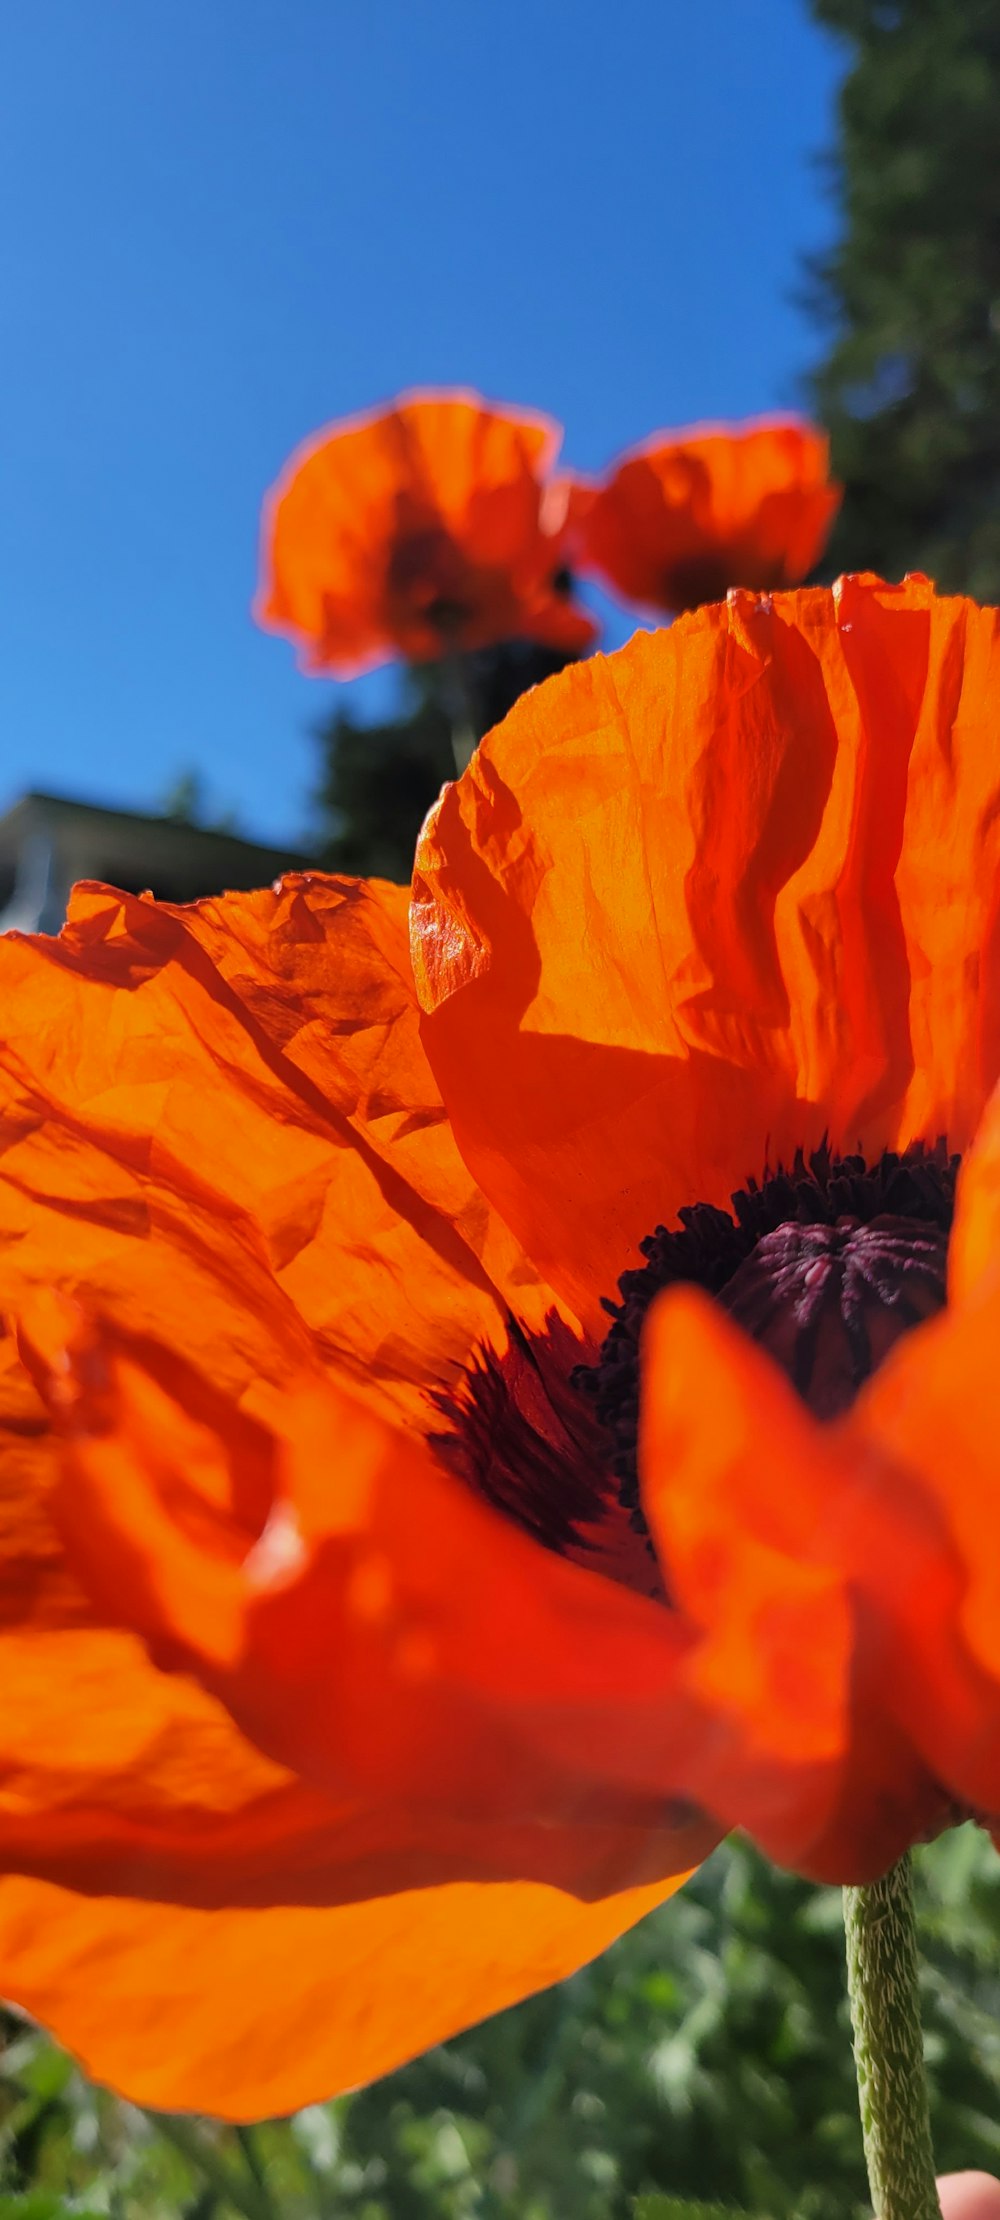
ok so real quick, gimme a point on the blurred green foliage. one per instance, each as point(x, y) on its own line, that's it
point(707, 2056)
point(910, 294)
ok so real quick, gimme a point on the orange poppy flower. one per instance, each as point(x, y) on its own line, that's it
point(688, 514)
point(384, 1631)
point(418, 530)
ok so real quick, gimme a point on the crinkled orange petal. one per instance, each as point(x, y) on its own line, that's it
point(414, 528)
point(927, 1425)
point(698, 903)
point(974, 1242)
point(245, 2013)
point(755, 1511)
point(112, 1774)
point(202, 1927)
point(220, 1122)
point(115, 1775)
point(689, 514)
point(367, 1619)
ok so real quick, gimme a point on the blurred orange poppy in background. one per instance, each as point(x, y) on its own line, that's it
point(422, 530)
point(680, 519)
point(383, 1630)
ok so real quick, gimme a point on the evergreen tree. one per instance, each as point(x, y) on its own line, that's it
point(910, 389)
point(378, 781)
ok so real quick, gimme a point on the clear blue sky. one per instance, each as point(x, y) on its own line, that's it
point(234, 220)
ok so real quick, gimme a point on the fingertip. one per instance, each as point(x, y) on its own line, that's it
point(969, 2196)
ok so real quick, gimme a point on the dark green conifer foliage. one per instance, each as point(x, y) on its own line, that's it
point(378, 781)
point(910, 388)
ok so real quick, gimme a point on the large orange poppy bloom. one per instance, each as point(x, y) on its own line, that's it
point(380, 1636)
point(420, 530)
point(680, 519)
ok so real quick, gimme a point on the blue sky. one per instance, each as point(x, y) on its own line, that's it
point(234, 220)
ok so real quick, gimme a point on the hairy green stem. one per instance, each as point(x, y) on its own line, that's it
point(888, 2047)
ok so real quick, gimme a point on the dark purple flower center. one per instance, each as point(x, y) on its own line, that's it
point(827, 1302)
point(824, 1264)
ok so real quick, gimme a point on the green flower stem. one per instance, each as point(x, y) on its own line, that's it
point(888, 2047)
point(460, 709)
